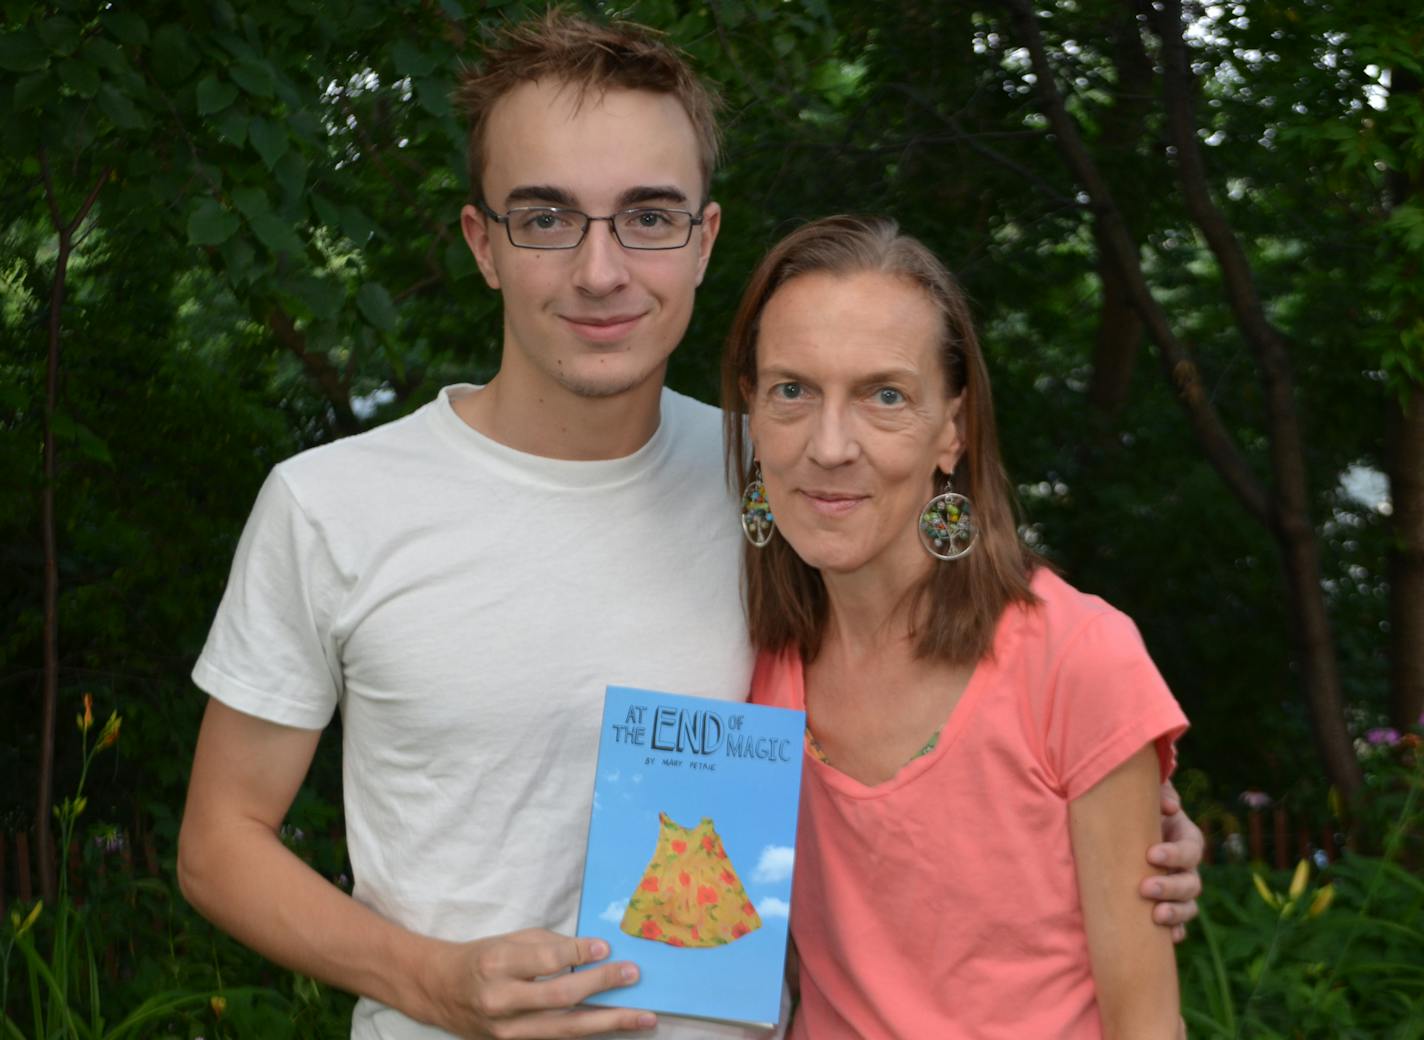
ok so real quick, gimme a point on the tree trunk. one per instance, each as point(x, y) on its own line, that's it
point(1284, 509)
point(1406, 561)
point(1404, 458)
point(44, 798)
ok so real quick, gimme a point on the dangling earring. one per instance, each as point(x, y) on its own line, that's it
point(757, 521)
point(947, 528)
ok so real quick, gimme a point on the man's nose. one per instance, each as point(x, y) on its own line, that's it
point(602, 263)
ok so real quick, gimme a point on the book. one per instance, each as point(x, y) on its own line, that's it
point(691, 844)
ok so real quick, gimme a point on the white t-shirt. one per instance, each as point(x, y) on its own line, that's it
point(464, 605)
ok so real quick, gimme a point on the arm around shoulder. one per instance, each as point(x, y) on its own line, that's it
point(1134, 966)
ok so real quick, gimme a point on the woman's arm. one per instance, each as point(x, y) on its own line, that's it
point(1134, 966)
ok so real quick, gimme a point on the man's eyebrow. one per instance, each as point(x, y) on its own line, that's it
point(652, 193)
point(543, 194)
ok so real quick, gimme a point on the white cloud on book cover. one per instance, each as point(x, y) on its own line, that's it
point(771, 907)
point(775, 864)
point(615, 911)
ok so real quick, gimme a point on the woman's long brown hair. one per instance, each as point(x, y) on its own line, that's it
point(956, 608)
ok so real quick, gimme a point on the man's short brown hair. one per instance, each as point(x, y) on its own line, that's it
point(588, 57)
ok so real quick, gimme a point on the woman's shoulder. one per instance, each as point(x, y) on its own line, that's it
point(778, 680)
point(1064, 617)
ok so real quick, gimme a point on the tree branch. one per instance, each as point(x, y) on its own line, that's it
point(317, 367)
point(1177, 360)
point(1267, 342)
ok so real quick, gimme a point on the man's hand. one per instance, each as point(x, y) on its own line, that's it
point(1179, 853)
point(521, 985)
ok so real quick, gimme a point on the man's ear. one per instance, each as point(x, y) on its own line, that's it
point(711, 224)
point(475, 226)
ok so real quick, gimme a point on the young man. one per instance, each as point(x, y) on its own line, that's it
point(464, 582)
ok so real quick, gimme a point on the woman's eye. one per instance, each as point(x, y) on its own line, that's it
point(889, 395)
point(787, 391)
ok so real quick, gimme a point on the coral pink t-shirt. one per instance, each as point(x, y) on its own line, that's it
point(944, 903)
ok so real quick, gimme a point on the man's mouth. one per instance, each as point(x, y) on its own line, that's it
point(603, 328)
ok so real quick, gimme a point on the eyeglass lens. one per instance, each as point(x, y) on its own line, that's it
point(541, 227)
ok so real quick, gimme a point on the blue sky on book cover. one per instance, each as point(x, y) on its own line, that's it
point(723, 778)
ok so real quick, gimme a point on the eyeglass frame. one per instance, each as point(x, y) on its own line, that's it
point(695, 220)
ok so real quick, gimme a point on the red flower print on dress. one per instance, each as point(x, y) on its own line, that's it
point(706, 894)
point(739, 930)
point(650, 884)
point(679, 847)
point(651, 930)
point(684, 879)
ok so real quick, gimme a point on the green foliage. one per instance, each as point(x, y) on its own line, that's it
point(274, 260)
point(129, 959)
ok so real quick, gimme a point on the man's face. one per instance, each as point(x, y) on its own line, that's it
point(598, 320)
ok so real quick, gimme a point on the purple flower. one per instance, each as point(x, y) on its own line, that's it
point(1253, 799)
point(1386, 735)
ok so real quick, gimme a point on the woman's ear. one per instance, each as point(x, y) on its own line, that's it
point(951, 440)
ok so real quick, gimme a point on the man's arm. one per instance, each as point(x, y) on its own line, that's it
point(1179, 853)
point(1134, 967)
point(234, 869)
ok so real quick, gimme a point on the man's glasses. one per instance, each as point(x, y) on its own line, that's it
point(553, 227)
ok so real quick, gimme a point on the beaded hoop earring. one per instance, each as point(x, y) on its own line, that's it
point(757, 521)
point(947, 529)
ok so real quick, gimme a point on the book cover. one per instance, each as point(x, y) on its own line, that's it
point(691, 842)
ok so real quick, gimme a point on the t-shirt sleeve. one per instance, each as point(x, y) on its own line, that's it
point(270, 652)
point(1107, 702)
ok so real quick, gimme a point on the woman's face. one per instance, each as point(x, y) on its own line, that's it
point(850, 418)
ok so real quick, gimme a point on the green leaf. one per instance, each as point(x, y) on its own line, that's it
point(433, 96)
point(119, 109)
point(459, 263)
point(322, 298)
point(60, 34)
point(210, 225)
point(275, 233)
point(328, 212)
point(174, 54)
point(22, 51)
point(291, 174)
point(240, 260)
point(233, 124)
point(90, 445)
point(358, 227)
point(271, 141)
point(251, 202)
point(255, 77)
point(34, 91)
point(107, 56)
point(376, 306)
point(125, 27)
point(214, 95)
point(410, 60)
point(79, 76)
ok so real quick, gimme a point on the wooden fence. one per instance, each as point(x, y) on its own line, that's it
point(19, 881)
point(1268, 836)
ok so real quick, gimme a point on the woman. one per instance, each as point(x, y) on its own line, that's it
point(984, 743)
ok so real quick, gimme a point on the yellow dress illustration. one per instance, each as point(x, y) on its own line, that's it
point(690, 895)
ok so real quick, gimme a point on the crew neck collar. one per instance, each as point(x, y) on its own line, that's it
point(539, 469)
